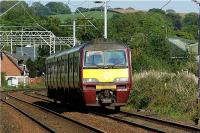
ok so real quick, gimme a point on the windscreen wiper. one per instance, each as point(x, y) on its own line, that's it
point(112, 66)
point(99, 66)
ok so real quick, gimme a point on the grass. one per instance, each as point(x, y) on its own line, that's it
point(90, 14)
point(40, 85)
point(169, 94)
point(194, 49)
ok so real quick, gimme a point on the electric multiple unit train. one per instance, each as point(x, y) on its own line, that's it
point(97, 73)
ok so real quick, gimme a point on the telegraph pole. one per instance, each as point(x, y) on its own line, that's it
point(105, 20)
point(198, 97)
point(199, 54)
point(198, 2)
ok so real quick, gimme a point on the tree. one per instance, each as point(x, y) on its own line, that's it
point(58, 8)
point(82, 9)
point(170, 11)
point(31, 67)
point(176, 20)
point(5, 5)
point(16, 16)
point(156, 10)
point(53, 24)
point(190, 25)
point(39, 9)
point(190, 19)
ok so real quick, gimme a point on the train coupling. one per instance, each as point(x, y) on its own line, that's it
point(105, 97)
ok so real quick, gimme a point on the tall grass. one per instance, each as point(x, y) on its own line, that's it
point(171, 94)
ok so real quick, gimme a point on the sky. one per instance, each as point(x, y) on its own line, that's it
point(182, 6)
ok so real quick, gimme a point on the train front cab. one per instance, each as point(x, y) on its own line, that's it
point(106, 83)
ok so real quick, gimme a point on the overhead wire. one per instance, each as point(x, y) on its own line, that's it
point(10, 8)
point(25, 12)
point(166, 4)
point(33, 18)
point(82, 13)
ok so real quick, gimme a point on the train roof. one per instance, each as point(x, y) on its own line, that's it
point(98, 44)
point(67, 51)
point(102, 44)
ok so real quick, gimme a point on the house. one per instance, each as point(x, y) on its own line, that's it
point(12, 66)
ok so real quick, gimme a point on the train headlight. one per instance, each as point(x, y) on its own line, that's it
point(121, 80)
point(90, 80)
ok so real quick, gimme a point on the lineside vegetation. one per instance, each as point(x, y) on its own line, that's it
point(169, 94)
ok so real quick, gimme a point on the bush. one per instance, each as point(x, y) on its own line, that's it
point(165, 93)
point(3, 79)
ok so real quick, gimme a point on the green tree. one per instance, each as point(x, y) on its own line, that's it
point(190, 25)
point(18, 16)
point(58, 8)
point(53, 24)
point(39, 9)
point(145, 35)
point(170, 11)
point(81, 9)
point(156, 10)
point(176, 20)
point(5, 5)
point(31, 67)
point(190, 19)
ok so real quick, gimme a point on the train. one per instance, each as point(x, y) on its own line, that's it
point(95, 73)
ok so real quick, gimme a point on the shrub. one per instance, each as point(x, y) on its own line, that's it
point(3, 79)
point(165, 93)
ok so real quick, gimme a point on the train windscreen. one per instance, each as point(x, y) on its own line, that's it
point(105, 58)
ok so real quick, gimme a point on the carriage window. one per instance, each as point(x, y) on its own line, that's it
point(115, 58)
point(105, 58)
point(94, 58)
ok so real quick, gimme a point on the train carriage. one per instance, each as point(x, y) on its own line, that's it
point(97, 73)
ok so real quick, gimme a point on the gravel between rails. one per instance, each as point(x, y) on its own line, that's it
point(155, 123)
point(13, 121)
point(52, 120)
point(163, 125)
point(105, 124)
point(168, 126)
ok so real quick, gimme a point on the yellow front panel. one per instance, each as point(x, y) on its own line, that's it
point(105, 75)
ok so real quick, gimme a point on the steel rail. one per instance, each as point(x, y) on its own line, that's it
point(37, 93)
point(161, 121)
point(140, 116)
point(51, 130)
point(59, 115)
point(47, 100)
point(129, 122)
point(118, 119)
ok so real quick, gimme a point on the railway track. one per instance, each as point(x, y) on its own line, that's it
point(47, 118)
point(39, 96)
point(149, 123)
point(142, 121)
point(169, 124)
point(49, 129)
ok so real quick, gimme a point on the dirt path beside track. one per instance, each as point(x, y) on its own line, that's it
point(12, 121)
